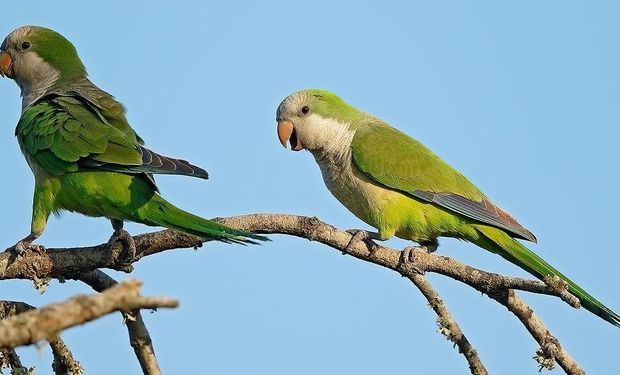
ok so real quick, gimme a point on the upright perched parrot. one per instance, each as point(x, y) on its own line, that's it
point(84, 155)
point(395, 184)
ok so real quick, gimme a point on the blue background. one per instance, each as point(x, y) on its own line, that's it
point(521, 97)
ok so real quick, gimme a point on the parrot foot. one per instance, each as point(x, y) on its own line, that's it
point(22, 246)
point(408, 254)
point(407, 259)
point(121, 235)
point(358, 235)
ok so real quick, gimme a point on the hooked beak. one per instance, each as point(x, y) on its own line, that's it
point(6, 65)
point(287, 134)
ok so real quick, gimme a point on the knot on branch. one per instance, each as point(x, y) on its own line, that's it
point(547, 353)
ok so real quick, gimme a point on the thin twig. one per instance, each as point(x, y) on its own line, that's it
point(41, 324)
point(139, 337)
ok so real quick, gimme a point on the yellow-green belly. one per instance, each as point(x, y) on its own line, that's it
point(389, 211)
point(98, 193)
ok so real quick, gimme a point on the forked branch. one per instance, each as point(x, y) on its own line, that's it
point(62, 263)
point(45, 323)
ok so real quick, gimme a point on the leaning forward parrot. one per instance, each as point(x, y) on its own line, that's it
point(84, 155)
point(397, 185)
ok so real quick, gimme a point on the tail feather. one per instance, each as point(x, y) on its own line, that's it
point(160, 212)
point(499, 242)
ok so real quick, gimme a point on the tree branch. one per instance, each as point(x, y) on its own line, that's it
point(139, 337)
point(485, 282)
point(550, 349)
point(64, 362)
point(41, 324)
point(62, 262)
point(448, 326)
point(9, 358)
point(59, 262)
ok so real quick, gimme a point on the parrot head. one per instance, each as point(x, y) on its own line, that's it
point(314, 120)
point(38, 59)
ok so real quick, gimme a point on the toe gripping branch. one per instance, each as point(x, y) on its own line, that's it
point(26, 244)
point(358, 235)
point(407, 260)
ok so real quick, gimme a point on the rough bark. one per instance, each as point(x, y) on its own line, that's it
point(68, 262)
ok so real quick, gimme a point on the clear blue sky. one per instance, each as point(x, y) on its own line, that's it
point(522, 98)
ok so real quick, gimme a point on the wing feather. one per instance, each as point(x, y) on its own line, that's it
point(64, 133)
point(399, 162)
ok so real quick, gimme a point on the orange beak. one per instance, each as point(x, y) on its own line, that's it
point(6, 65)
point(286, 134)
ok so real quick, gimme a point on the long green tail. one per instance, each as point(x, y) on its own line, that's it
point(160, 212)
point(497, 241)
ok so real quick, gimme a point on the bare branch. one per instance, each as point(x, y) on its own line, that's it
point(9, 358)
point(550, 349)
point(62, 262)
point(11, 308)
point(59, 262)
point(41, 324)
point(65, 261)
point(139, 337)
point(486, 282)
point(64, 362)
point(448, 326)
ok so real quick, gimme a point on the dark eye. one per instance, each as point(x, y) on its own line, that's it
point(305, 109)
point(25, 45)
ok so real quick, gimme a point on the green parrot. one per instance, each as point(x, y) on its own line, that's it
point(395, 184)
point(84, 155)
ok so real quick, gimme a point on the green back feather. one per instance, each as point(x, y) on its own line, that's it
point(60, 132)
point(398, 161)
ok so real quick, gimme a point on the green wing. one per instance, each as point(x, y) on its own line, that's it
point(105, 106)
point(399, 162)
point(65, 134)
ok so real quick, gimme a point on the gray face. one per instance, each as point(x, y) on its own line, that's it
point(28, 69)
point(290, 107)
point(301, 125)
point(291, 120)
